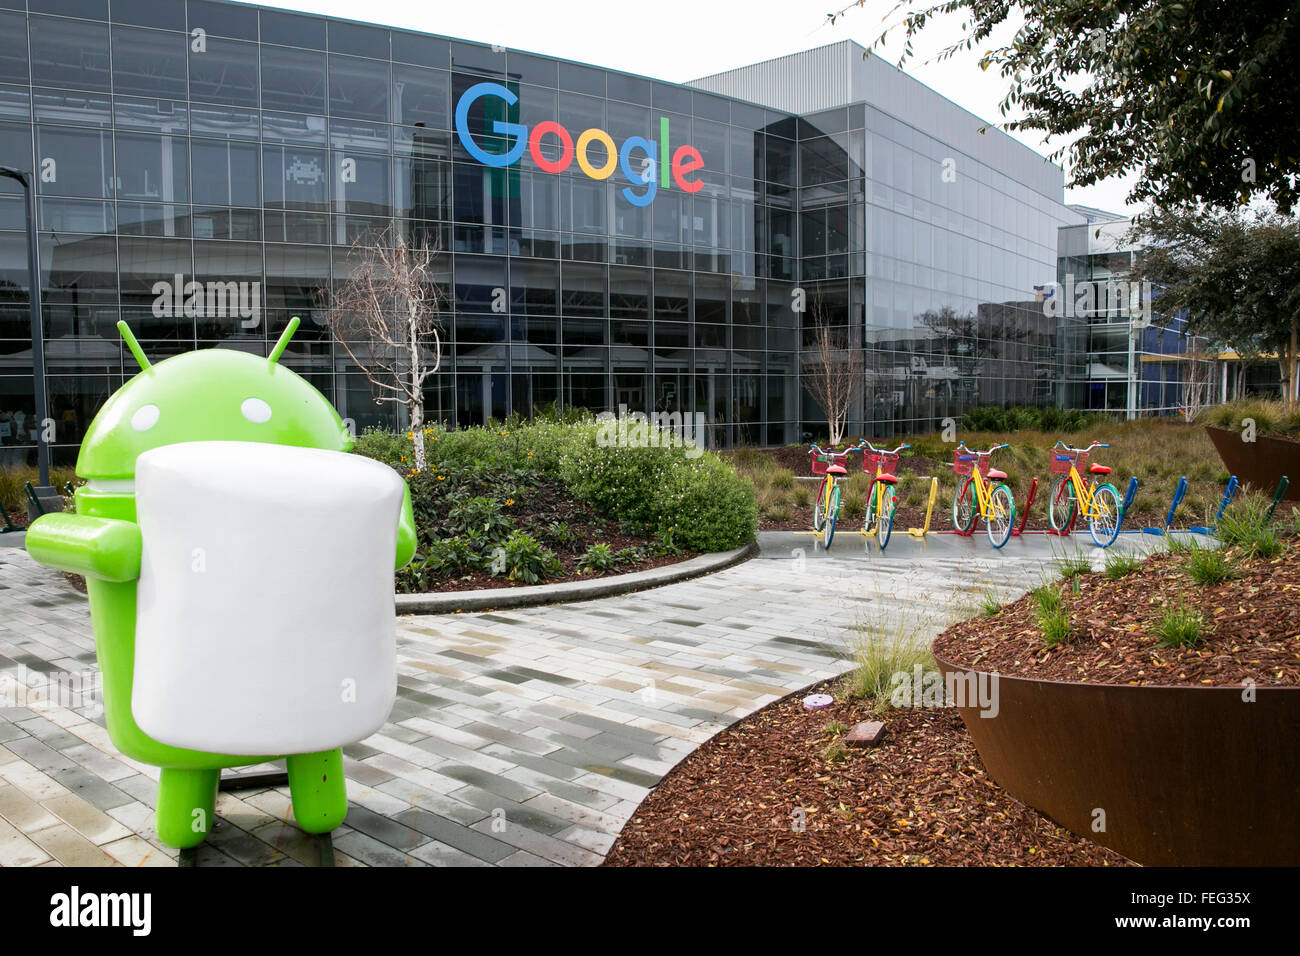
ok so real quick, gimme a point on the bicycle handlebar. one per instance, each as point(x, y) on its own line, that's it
point(983, 453)
point(882, 451)
point(1061, 444)
point(818, 449)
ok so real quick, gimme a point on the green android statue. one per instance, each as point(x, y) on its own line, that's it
point(195, 396)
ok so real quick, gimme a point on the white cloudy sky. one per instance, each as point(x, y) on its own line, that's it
point(679, 40)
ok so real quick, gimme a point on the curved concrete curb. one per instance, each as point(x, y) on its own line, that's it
point(490, 598)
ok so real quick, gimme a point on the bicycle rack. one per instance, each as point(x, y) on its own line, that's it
point(1173, 508)
point(1282, 486)
point(929, 508)
point(1129, 495)
point(1029, 503)
point(1228, 495)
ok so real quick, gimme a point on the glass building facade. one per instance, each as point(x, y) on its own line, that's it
point(245, 149)
point(1120, 357)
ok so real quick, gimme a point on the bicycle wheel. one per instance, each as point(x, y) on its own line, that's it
point(1103, 524)
point(1002, 516)
point(963, 505)
point(1061, 504)
point(869, 512)
point(819, 507)
point(832, 512)
point(885, 520)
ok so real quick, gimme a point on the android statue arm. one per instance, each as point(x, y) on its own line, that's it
point(405, 530)
point(106, 549)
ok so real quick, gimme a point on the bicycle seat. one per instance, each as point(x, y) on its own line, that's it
point(887, 478)
point(835, 470)
point(1099, 469)
point(997, 475)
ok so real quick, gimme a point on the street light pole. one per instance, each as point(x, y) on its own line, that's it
point(38, 327)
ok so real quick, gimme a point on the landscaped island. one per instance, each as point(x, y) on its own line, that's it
point(559, 499)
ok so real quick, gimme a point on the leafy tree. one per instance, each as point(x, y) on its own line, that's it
point(1235, 274)
point(1200, 96)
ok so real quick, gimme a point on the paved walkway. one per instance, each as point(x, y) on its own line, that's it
point(524, 737)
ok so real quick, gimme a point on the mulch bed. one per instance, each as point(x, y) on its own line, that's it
point(1251, 632)
point(921, 798)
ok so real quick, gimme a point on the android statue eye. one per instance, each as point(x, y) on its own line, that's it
point(256, 410)
point(145, 418)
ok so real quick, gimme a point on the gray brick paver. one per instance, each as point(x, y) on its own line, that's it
point(539, 717)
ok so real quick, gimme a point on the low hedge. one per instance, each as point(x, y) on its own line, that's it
point(691, 499)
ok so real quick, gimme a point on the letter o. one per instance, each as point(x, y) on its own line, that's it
point(604, 172)
point(566, 147)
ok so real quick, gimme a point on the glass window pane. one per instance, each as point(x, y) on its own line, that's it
point(149, 62)
point(225, 173)
point(292, 29)
point(224, 72)
point(151, 114)
point(13, 47)
point(153, 167)
point(420, 96)
point(358, 88)
point(223, 19)
point(70, 54)
point(82, 162)
point(73, 109)
point(293, 80)
point(295, 178)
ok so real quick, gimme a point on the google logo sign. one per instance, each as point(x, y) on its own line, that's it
point(680, 164)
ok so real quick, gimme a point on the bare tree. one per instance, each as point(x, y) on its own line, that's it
point(388, 317)
point(1197, 385)
point(832, 371)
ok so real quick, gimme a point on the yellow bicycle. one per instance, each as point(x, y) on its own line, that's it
point(1071, 495)
point(975, 496)
point(880, 464)
point(829, 465)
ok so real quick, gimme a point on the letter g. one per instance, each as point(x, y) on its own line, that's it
point(518, 130)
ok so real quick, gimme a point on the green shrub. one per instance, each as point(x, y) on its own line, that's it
point(522, 558)
point(1121, 565)
point(1208, 566)
point(882, 657)
point(1179, 625)
point(481, 515)
point(700, 501)
point(559, 534)
point(383, 444)
point(1050, 614)
point(1075, 567)
point(991, 418)
point(1245, 524)
point(598, 559)
point(706, 506)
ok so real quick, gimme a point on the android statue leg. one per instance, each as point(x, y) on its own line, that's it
point(186, 804)
point(320, 797)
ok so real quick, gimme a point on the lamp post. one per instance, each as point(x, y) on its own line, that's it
point(38, 328)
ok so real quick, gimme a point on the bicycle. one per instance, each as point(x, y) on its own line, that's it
point(826, 507)
point(1100, 504)
point(995, 503)
point(879, 517)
